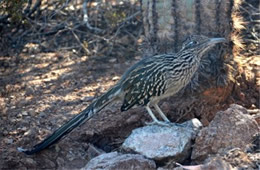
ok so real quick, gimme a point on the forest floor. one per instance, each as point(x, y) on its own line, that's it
point(40, 91)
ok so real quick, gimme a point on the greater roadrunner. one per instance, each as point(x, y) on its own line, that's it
point(145, 83)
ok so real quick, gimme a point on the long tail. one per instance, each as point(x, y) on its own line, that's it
point(76, 121)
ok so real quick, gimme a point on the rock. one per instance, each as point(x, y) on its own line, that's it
point(8, 140)
point(60, 161)
point(30, 161)
point(93, 152)
point(160, 142)
point(229, 129)
point(25, 113)
point(112, 60)
point(49, 164)
point(115, 160)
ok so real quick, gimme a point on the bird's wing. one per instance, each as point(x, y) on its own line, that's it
point(141, 84)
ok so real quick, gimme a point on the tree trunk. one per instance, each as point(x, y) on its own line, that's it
point(167, 23)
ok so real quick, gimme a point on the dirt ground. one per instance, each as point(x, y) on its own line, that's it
point(40, 90)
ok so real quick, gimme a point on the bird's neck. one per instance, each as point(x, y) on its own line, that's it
point(190, 56)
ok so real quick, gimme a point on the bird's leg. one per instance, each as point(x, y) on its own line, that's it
point(155, 120)
point(166, 120)
point(157, 108)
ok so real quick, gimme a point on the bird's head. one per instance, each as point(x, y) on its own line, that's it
point(199, 44)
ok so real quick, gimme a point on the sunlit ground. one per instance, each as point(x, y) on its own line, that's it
point(44, 90)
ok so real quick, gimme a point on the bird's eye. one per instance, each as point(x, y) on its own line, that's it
point(192, 43)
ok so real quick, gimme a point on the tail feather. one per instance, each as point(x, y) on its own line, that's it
point(76, 121)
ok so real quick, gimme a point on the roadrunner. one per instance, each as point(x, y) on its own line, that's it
point(145, 83)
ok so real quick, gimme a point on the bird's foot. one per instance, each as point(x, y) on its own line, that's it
point(165, 123)
point(160, 123)
point(177, 124)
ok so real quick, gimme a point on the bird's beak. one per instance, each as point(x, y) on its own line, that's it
point(216, 40)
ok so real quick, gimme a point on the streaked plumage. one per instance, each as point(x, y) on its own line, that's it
point(145, 84)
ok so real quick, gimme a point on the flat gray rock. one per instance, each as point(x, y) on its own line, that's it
point(115, 160)
point(161, 142)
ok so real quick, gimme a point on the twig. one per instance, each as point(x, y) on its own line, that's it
point(251, 6)
point(85, 18)
point(254, 34)
point(59, 8)
point(35, 7)
point(253, 111)
point(132, 16)
point(120, 25)
point(27, 9)
point(252, 41)
point(77, 38)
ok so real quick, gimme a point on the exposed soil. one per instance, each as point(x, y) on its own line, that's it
point(39, 91)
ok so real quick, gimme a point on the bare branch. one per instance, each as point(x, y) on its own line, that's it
point(35, 7)
point(132, 16)
point(27, 9)
point(251, 6)
point(77, 38)
point(85, 18)
point(251, 41)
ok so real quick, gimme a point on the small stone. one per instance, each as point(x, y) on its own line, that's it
point(5, 132)
point(60, 162)
point(19, 115)
point(8, 141)
point(242, 96)
point(115, 78)
point(25, 113)
point(42, 114)
point(112, 60)
point(115, 160)
point(253, 106)
point(57, 148)
point(93, 151)
point(195, 124)
point(49, 164)
point(253, 101)
point(138, 57)
point(30, 161)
